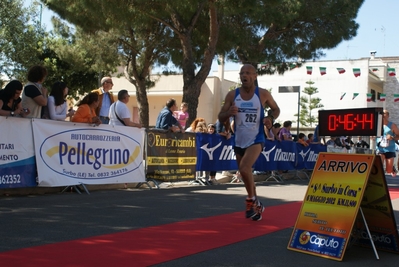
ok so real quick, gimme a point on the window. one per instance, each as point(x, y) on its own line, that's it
point(288, 89)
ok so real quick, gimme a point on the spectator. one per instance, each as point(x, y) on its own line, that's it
point(221, 130)
point(246, 104)
point(119, 113)
point(275, 131)
point(34, 96)
point(105, 98)
point(386, 145)
point(193, 125)
point(165, 119)
point(331, 141)
point(310, 138)
point(56, 103)
point(285, 132)
point(201, 127)
point(349, 141)
point(212, 174)
point(10, 100)
point(344, 143)
point(361, 143)
point(182, 115)
point(301, 139)
point(86, 110)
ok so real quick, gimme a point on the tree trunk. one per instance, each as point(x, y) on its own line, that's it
point(141, 94)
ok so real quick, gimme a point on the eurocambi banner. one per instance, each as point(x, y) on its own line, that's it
point(72, 153)
point(17, 157)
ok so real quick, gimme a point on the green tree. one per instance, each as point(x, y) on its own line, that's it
point(77, 58)
point(20, 38)
point(67, 54)
point(141, 43)
point(307, 104)
point(252, 31)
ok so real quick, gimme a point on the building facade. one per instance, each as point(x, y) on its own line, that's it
point(342, 84)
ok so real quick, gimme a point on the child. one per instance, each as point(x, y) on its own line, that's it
point(182, 115)
point(212, 174)
point(301, 139)
point(201, 128)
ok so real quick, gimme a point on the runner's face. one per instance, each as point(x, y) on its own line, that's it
point(248, 76)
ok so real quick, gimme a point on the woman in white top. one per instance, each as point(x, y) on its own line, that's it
point(57, 105)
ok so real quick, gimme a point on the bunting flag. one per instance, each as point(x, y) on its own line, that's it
point(375, 69)
point(323, 70)
point(391, 72)
point(395, 97)
point(219, 62)
point(293, 66)
point(309, 70)
point(355, 95)
point(382, 97)
point(369, 97)
point(341, 70)
point(356, 72)
point(342, 96)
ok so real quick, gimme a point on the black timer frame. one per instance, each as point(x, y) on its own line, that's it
point(351, 122)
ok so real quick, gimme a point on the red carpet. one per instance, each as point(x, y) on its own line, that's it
point(152, 245)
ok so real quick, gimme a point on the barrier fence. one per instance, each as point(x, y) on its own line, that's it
point(47, 153)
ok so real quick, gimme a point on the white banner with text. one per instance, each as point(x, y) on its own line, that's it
point(77, 153)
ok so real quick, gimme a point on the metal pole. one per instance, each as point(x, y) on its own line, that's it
point(299, 99)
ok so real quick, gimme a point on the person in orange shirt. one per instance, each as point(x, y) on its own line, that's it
point(86, 110)
point(301, 139)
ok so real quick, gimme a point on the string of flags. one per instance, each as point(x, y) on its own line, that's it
point(356, 71)
point(383, 97)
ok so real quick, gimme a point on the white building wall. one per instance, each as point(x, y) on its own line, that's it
point(171, 86)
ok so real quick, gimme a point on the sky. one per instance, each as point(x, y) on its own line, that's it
point(378, 31)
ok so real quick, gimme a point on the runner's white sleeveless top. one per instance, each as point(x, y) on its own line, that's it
point(248, 123)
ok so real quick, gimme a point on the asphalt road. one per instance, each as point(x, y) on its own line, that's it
point(34, 220)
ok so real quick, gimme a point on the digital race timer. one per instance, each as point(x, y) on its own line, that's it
point(350, 122)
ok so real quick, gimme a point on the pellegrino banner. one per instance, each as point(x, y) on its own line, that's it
point(72, 153)
point(17, 155)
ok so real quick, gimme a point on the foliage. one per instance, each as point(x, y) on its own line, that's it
point(68, 55)
point(307, 104)
point(77, 59)
point(277, 32)
point(20, 38)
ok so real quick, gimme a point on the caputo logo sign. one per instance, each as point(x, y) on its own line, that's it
point(91, 154)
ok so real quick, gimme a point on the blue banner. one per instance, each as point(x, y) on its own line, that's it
point(307, 156)
point(215, 153)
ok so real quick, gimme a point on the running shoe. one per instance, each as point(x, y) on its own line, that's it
point(259, 208)
point(250, 212)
